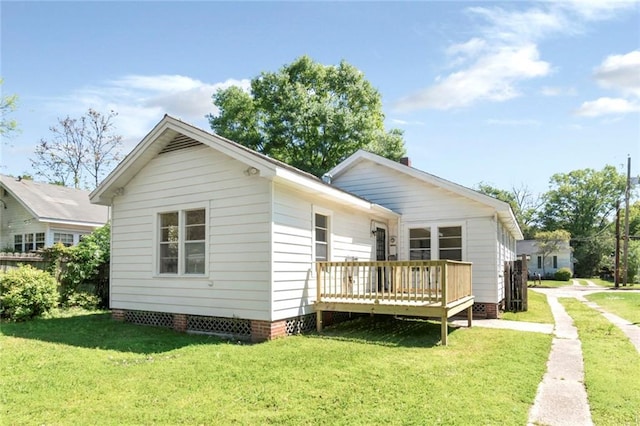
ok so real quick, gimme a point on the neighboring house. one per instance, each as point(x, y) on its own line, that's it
point(34, 215)
point(208, 235)
point(563, 258)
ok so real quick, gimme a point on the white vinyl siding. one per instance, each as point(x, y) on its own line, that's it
point(349, 237)
point(236, 282)
point(425, 205)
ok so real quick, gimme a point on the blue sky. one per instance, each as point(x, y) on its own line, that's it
point(506, 93)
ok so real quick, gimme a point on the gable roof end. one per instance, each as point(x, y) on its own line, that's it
point(55, 203)
point(171, 133)
point(159, 139)
point(503, 210)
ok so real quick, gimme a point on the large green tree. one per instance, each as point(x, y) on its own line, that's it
point(309, 115)
point(583, 202)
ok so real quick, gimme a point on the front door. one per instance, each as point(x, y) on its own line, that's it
point(381, 254)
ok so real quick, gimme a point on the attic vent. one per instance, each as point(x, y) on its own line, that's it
point(180, 142)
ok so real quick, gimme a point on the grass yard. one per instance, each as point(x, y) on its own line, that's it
point(621, 303)
point(88, 369)
point(606, 283)
point(612, 367)
point(549, 283)
point(538, 310)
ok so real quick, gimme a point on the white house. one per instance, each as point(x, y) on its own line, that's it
point(34, 215)
point(439, 220)
point(208, 235)
point(549, 264)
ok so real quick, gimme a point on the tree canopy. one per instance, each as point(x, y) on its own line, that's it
point(523, 203)
point(582, 201)
point(8, 104)
point(78, 145)
point(308, 115)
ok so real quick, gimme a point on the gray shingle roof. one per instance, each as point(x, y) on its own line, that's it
point(53, 203)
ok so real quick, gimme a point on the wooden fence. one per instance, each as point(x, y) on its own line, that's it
point(14, 260)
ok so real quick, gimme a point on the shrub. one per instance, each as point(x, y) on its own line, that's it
point(81, 299)
point(83, 269)
point(27, 292)
point(563, 274)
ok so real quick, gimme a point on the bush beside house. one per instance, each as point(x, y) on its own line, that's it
point(74, 276)
point(563, 274)
point(26, 293)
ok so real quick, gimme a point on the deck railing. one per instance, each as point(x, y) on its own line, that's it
point(424, 281)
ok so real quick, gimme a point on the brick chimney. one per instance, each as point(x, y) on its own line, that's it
point(406, 161)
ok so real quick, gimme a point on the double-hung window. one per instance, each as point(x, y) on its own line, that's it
point(28, 242)
point(182, 242)
point(17, 243)
point(64, 238)
point(39, 240)
point(322, 237)
point(450, 242)
point(420, 244)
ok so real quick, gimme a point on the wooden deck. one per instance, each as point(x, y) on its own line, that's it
point(434, 289)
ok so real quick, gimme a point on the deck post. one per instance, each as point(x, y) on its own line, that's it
point(443, 329)
point(318, 294)
point(443, 283)
point(469, 316)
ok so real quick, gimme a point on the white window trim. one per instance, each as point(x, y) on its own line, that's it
point(77, 234)
point(329, 214)
point(435, 240)
point(181, 242)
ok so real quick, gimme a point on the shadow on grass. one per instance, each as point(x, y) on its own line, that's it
point(386, 330)
point(99, 331)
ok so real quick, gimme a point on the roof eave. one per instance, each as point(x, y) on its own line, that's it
point(333, 193)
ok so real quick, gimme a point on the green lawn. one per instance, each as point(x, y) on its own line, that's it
point(606, 283)
point(549, 283)
point(538, 310)
point(621, 303)
point(612, 367)
point(88, 369)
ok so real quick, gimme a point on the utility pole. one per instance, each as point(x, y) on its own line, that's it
point(616, 267)
point(625, 244)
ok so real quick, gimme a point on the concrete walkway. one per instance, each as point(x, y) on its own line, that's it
point(561, 398)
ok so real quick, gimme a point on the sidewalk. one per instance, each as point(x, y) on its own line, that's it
point(561, 398)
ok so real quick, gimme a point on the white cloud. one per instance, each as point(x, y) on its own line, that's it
point(492, 64)
point(515, 27)
point(607, 106)
point(142, 100)
point(621, 72)
point(596, 10)
point(558, 91)
point(491, 77)
point(399, 122)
